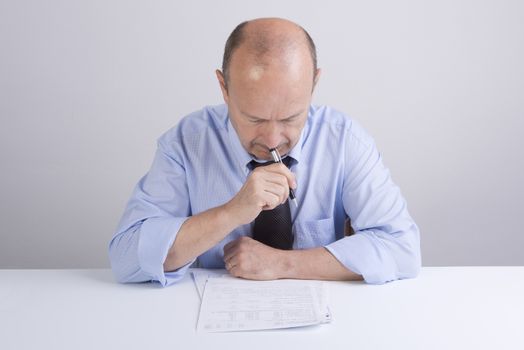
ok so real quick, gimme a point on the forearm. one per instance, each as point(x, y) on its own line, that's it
point(317, 263)
point(198, 234)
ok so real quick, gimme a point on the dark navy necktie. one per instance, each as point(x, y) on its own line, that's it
point(273, 227)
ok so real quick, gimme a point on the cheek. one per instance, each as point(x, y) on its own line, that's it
point(247, 134)
point(292, 132)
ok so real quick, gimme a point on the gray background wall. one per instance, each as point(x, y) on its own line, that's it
point(86, 87)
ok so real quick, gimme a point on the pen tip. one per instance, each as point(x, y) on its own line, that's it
point(294, 200)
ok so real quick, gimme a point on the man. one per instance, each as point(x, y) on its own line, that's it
point(200, 202)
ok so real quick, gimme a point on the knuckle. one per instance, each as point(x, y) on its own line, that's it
point(254, 176)
point(274, 203)
point(241, 257)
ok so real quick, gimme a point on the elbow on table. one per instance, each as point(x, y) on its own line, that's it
point(125, 269)
point(405, 262)
point(412, 268)
point(408, 268)
point(410, 264)
point(120, 274)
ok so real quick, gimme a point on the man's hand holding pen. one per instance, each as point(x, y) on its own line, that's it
point(265, 188)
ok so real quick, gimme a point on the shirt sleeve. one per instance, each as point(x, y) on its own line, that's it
point(386, 243)
point(157, 209)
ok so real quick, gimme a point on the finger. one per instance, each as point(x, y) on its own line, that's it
point(229, 265)
point(228, 246)
point(276, 184)
point(276, 179)
point(228, 256)
point(271, 200)
point(230, 249)
point(227, 259)
point(273, 182)
point(279, 190)
point(234, 271)
point(279, 198)
point(279, 168)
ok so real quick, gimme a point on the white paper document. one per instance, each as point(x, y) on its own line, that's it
point(200, 279)
point(231, 304)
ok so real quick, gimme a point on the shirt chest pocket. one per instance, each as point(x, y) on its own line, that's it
point(313, 233)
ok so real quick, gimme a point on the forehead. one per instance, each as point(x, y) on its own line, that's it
point(249, 76)
point(255, 72)
point(270, 95)
point(295, 58)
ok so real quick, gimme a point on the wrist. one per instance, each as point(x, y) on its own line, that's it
point(286, 264)
point(230, 215)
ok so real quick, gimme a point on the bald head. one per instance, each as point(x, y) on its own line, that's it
point(269, 42)
point(267, 81)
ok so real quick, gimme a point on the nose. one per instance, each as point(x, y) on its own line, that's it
point(271, 134)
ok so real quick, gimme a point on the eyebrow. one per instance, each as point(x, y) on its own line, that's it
point(294, 115)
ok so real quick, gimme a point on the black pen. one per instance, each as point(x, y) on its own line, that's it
point(278, 159)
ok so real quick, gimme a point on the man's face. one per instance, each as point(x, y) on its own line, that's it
point(268, 106)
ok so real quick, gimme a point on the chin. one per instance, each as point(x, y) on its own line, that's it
point(261, 156)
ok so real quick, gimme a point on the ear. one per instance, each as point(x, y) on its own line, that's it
point(316, 78)
point(223, 87)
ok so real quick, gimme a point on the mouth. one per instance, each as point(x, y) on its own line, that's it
point(281, 149)
point(263, 152)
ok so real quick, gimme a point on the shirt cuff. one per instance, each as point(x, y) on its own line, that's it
point(156, 238)
point(361, 254)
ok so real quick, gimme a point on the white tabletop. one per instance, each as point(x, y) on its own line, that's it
point(444, 308)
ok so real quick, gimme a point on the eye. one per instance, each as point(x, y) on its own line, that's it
point(289, 120)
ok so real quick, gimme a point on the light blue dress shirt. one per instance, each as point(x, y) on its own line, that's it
point(201, 164)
